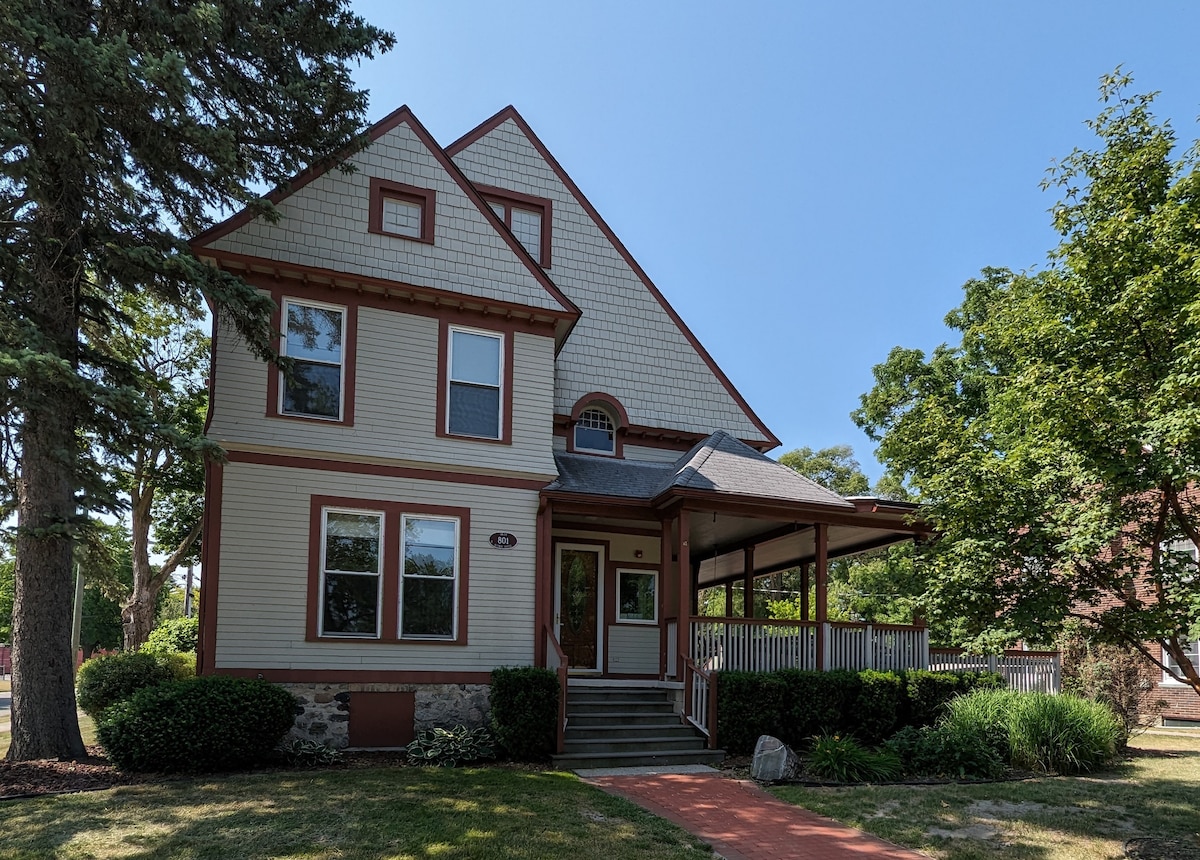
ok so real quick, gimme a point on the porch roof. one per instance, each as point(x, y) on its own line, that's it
point(720, 465)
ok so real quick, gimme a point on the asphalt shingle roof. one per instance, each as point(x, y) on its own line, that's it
point(721, 464)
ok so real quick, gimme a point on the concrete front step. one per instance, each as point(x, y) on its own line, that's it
point(649, 745)
point(619, 706)
point(637, 759)
point(606, 718)
point(620, 731)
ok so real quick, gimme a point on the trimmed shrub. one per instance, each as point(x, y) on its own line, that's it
point(452, 747)
point(524, 703)
point(213, 722)
point(945, 752)
point(177, 634)
point(842, 758)
point(878, 708)
point(926, 693)
point(750, 704)
point(110, 678)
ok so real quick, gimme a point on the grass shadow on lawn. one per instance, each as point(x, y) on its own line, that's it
point(1052, 818)
point(358, 813)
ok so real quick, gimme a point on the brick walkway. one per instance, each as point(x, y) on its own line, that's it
point(743, 822)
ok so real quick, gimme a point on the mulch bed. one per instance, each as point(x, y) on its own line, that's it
point(1162, 849)
point(50, 776)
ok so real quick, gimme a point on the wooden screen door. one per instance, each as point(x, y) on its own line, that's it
point(578, 598)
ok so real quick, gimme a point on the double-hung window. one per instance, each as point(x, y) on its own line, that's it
point(526, 217)
point(314, 335)
point(429, 577)
point(351, 573)
point(475, 384)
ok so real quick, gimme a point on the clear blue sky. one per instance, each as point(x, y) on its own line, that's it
point(809, 184)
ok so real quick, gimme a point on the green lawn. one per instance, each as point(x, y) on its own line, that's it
point(371, 813)
point(1057, 818)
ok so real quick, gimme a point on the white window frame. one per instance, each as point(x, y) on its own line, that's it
point(392, 197)
point(612, 427)
point(287, 303)
point(1168, 660)
point(641, 572)
point(404, 577)
point(451, 381)
point(325, 511)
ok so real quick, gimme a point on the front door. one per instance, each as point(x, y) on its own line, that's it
point(578, 600)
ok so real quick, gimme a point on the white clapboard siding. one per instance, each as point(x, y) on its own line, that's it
point(633, 650)
point(324, 225)
point(262, 595)
point(625, 344)
point(395, 401)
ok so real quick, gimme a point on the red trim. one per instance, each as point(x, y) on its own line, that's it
point(354, 468)
point(509, 199)
point(541, 617)
point(443, 386)
point(510, 112)
point(210, 564)
point(424, 198)
point(389, 611)
point(359, 676)
point(401, 116)
point(391, 295)
point(667, 438)
point(349, 362)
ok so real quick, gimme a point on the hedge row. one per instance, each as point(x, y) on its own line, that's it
point(795, 705)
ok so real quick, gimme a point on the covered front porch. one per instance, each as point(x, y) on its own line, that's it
point(626, 547)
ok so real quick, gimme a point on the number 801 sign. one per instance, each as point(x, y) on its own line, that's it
point(503, 540)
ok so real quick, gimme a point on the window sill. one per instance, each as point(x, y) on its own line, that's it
point(384, 640)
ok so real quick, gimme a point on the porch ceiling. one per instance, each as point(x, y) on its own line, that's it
point(720, 543)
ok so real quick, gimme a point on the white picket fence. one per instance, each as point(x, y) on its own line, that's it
point(1027, 671)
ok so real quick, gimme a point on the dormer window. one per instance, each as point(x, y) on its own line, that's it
point(399, 210)
point(595, 432)
point(527, 217)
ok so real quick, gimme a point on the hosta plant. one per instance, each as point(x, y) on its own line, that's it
point(451, 747)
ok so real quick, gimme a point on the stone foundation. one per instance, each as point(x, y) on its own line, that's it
point(324, 711)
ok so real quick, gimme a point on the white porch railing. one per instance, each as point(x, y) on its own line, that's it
point(1027, 671)
point(884, 647)
point(753, 644)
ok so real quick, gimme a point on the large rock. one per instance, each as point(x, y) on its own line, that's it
point(773, 760)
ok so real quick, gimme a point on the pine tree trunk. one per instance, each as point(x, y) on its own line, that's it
point(44, 720)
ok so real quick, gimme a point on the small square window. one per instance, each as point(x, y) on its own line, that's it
point(399, 210)
point(637, 596)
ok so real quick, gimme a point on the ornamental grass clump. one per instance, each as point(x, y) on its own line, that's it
point(843, 759)
point(1039, 731)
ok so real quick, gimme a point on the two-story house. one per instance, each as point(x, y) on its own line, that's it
point(499, 445)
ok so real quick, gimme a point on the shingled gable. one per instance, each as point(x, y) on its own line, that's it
point(630, 342)
point(322, 232)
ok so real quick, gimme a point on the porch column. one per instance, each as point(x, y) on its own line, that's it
point(729, 599)
point(696, 589)
point(684, 566)
point(748, 583)
point(543, 582)
point(822, 558)
point(804, 591)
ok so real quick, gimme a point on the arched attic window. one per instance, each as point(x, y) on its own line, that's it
point(595, 432)
point(597, 424)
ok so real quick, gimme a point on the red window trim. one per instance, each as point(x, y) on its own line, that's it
point(423, 197)
point(507, 336)
point(615, 411)
point(349, 349)
point(509, 199)
point(390, 610)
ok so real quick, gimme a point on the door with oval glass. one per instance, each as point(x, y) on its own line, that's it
point(579, 596)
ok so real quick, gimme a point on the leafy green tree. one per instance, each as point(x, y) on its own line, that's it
point(1056, 447)
point(124, 129)
point(833, 467)
point(8, 568)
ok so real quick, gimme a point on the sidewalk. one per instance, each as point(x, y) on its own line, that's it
point(743, 822)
